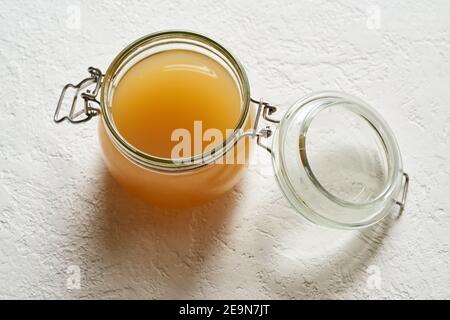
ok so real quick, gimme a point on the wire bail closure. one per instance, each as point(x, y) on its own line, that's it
point(402, 202)
point(89, 96)
point(265, 111)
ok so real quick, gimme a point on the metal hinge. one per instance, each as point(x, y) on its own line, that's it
point(89, 96)
point(265, 110)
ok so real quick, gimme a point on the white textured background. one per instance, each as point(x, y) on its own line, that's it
point(59, 207)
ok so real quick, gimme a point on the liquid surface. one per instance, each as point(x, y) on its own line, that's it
point(171, 90)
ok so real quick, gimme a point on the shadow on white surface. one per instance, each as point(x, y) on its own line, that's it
point(314, 262)
point(138, 251)
point(149, 251)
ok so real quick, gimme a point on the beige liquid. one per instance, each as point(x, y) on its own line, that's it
point(159, 94)
point(171, 90)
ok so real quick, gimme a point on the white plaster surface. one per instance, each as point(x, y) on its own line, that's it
point(60, 208)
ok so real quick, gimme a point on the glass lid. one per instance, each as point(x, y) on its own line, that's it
point(337, 161)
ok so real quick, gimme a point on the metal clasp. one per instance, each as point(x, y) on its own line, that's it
point(402, 202)
point(89, 96)
point(265, 110)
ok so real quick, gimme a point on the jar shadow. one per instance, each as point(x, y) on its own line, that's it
point(311, 261)
point(159, 248)
point(354, 264)
point(314, 262)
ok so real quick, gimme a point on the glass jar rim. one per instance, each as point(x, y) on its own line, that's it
point(305, 195)
point(168, 164)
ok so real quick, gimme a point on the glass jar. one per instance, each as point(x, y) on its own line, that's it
point(335, 159)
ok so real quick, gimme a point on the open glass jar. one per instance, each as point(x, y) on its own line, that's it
point(334, 157)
